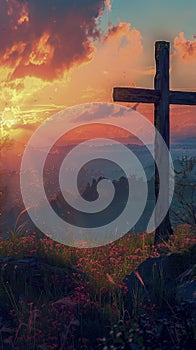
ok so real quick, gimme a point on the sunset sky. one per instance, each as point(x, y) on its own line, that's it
point(59, 53)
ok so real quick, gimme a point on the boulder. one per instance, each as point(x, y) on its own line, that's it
point(36, 275)
point(159, 277)
point(186, 289)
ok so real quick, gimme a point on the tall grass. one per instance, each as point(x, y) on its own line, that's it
point(83, 311)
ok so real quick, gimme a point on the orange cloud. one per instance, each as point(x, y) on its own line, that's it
point(115, 62)
point(185, 49)
point(183, 63)
point(30, 100)
point(45, 38)
point(42, 51)
point(108, 2)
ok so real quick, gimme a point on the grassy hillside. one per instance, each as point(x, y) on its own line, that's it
point(57, 297)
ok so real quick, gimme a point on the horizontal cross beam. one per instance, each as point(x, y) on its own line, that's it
point(121, 94)
point(182, 98)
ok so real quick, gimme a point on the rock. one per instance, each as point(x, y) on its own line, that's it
point(18, 271)
point(35, 275)
point(159, 276)
point(134, 346)
point(186, 290)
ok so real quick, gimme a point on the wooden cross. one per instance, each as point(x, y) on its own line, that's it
point(162, 97)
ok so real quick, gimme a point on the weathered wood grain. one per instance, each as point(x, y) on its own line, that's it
point(182, 98)
point(135, 95)
point(126, 94)
point(162, 124)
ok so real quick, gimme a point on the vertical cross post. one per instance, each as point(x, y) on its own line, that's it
point(162, 124)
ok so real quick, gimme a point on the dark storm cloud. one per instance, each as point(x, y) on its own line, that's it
point(43, 38)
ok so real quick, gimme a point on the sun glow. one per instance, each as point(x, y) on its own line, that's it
point(8, 120)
